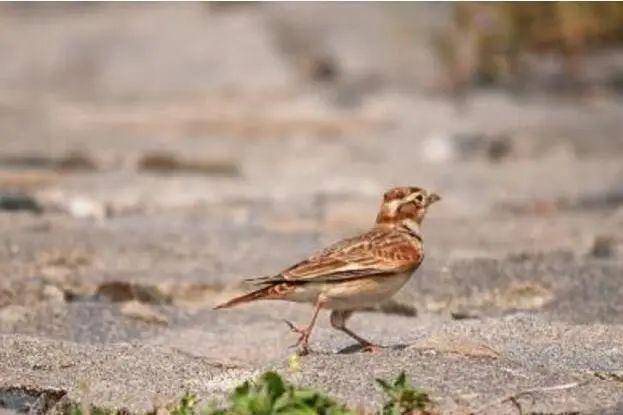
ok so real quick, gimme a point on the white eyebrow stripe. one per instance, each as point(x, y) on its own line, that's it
point(394, 204)
point(411, 197)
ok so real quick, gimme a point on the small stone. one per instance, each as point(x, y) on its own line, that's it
point(499, 148)
point(78, 206)
point(14, 202)
point(524, 296)
point(604, 247)
point(85, 208)
point(144, 312)
point(53, 294)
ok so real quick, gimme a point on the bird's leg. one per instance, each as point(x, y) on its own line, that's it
point(304, 333)
point(366, 345)
point(338, 321)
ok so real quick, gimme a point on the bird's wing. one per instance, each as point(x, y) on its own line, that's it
point(376, 252)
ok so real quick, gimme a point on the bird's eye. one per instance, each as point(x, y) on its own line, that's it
point(419, 198)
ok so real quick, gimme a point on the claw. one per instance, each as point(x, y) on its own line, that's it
point(304, 351)
point(293, 327)
point(303, 338)
point(371, 348)
point(299, 341)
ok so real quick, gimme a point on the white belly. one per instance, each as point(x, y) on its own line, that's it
point(351, 294)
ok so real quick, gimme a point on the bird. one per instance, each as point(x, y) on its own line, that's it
point(354, 273)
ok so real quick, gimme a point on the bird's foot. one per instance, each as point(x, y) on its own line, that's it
point(303, 339)
point(371, 348)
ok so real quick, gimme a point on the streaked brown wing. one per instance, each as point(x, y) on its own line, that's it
point(373, 253)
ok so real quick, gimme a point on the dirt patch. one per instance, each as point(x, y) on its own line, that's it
point(121, 291)
point(74, 161)
point(161, 293)
point(463, 346)
point(166, 163)
point(17, 201)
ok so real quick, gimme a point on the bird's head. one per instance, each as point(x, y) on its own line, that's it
point(405, 206)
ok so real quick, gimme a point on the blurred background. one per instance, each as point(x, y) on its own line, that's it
point(153, 155)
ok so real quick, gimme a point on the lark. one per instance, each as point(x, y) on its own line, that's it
point(357, 272)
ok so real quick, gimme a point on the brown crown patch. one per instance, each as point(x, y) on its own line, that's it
point(399, 193)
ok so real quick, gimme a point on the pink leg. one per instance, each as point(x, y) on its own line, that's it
point(338, 321)
point(303, 340)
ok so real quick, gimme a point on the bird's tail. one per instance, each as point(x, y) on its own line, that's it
point(266, 293)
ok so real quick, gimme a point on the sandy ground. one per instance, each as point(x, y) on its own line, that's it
point(134, 200)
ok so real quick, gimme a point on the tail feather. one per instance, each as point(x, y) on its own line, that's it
point(271, 279)
point(265, 292)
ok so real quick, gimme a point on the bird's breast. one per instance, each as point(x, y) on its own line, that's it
point(351, 294)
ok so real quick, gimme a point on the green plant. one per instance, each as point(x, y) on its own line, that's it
point(271, 395)
point(186, 405)
point(85, 410)
point(403, 399)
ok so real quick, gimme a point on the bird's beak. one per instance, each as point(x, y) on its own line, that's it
point(432, 198)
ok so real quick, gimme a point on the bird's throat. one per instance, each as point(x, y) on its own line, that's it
point(406, 225)
point(412, 227)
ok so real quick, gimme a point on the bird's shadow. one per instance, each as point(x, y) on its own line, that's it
point(357, 348)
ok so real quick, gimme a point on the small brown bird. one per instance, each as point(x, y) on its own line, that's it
point(357, 272)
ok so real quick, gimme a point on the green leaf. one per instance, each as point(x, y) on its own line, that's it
point(241, 391)
point(402, 398)
point(271, 395)
point(401, 380)
point(274, 384)
point(386, 386)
